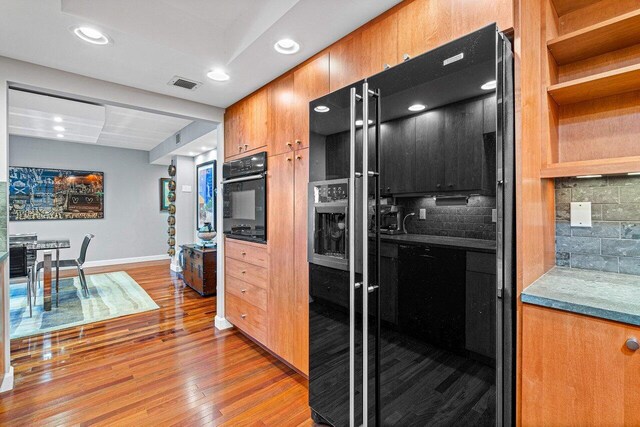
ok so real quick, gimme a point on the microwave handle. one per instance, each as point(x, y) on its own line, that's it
point(244, 178)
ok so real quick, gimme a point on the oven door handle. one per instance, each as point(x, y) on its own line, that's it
point(244, 178)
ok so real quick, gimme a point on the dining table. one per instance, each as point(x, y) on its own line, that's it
point(49, 245)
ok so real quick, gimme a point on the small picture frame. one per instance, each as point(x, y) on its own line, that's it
point(164, 194)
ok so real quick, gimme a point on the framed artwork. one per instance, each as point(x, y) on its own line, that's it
point(164, 194)
point(44, 194)
point(206, 194)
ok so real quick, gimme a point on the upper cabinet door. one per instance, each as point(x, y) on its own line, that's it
point(422, 26)
point(231, 131)
point(398, 146)
point(380, 46)
point(464, 146)
point(346, 61)
point(280, 115)
point(430, 152)
point(255, 120)
point(310, 81)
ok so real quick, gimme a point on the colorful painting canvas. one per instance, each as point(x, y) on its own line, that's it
point(164, 194)
point(206, 194)
point(42, 194)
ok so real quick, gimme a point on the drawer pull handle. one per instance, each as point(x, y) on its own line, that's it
point(632, 344)
point(244, 291)
point(289, 144)
point(298, 141)
point(244, 316)
point(244, 271)
point(243, 253)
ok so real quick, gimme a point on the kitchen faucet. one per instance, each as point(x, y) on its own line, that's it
point(404, 221)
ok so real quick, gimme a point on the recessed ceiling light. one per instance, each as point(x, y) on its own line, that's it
point(491, 85)
point(57, 119)
point(417, 107)
point(60, 135)
point(91, 35)
point(359, 122)
point(321, 109)
point(59, 128)
point(218, 75)
point(286, 46)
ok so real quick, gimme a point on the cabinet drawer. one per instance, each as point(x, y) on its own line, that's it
point(246, 272)
point(481, 262)
point(247, 317)
point(247, 292)
point(248, 253)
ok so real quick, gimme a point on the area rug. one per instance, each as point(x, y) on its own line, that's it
point(111, 295)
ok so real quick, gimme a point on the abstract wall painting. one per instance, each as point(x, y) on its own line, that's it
point(206, 180)
point(45, 194)
point(165, 189)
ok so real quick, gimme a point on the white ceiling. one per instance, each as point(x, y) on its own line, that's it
point(153, 40)
point(33, 115)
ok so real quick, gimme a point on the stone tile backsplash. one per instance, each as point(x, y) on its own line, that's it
point(613, 242)
point(473, 221)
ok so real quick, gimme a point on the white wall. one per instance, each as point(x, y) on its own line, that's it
point(133, 225)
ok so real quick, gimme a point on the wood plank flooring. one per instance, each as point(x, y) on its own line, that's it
point(165, 367)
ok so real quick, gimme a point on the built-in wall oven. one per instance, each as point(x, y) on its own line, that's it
point(245, 198)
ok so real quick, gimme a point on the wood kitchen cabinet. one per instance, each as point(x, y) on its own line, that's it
point(288, 269)
point(480, 304)
point(346, 61)
point(577, 370)
point(430, 150)
point(398, 147)
point(464, 143)
point(246, 125)
point(280, 115)
point(311, 81)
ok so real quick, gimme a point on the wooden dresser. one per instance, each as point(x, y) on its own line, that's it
point(199, 268)
point(246, 283)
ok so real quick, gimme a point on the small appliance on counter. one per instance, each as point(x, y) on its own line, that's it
point(245, 198)
point(391, 219)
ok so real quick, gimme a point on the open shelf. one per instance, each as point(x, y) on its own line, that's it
point(592, 167)
point(606, 36)
point(566, 6)
point(609, 83)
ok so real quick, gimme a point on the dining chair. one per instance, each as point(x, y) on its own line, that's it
point(77, 263)
point(19, 267)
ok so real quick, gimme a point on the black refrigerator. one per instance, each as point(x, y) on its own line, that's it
point(386, 325)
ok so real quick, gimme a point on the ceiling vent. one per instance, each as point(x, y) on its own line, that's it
point(184, 83)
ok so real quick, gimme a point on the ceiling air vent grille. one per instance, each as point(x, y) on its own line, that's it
point(184, 83)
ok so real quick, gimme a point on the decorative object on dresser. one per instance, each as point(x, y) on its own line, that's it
point(39, 194)
point(199, 268)
point(171, 208)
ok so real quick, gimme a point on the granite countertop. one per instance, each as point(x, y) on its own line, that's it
point(609, 296)
point(456, 242)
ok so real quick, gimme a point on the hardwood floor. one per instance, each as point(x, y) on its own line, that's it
point(165, 367)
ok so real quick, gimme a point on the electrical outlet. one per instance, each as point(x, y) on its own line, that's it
point(581, 214)
point(423, 214)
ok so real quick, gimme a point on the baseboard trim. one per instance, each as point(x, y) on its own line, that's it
point(7, 381)
point(108, 262)
point(221, 323)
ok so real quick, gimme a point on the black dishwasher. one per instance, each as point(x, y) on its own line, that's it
point(431, 295)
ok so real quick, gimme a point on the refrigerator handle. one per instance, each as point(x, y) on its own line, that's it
point(365, 254)
point(351, 232)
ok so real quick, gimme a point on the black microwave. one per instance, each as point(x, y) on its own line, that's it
point(244, 187)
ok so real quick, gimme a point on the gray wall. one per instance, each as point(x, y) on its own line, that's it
point(613, 242)
point(133, 225)
point(473, 221)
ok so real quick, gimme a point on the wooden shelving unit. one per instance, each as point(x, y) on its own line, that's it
point(607, 36)
point(565, 6)
point(593, 83)
point(592, 167)
point(609, 83)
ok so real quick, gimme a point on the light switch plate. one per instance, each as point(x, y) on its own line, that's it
point(423, 214)
point(494, 215)
point(581, 214)
point(186, 189)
